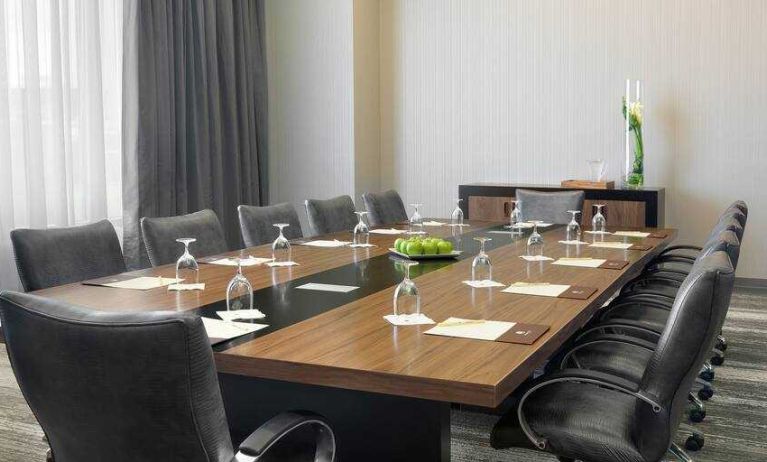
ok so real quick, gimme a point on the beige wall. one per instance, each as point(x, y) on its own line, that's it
point(311, 100)
point(527, 91)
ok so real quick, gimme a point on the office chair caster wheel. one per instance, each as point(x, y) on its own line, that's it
point(717, 360)
point(708, 376)
point(694, 442)
point(721, 345)
point(705, 393)
point(697, 415)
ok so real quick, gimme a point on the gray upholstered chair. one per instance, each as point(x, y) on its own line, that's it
point(56, 256)
point(331, 215)
point(384, 208)
point(600, 417)
point(550, 207)
point(135, 387)
point(160, 234)
point(257, 223)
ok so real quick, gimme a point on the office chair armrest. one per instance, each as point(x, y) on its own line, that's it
point(623, 324)
point(606, 338)
point(281, 425)
point(587, 376)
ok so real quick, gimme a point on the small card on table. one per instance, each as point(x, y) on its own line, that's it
point(658, 235)
point(498, 331)
point(327, 287)
point(544, 289)
point(390, 231)
point(231, 261)
point(326, 244)
point(587, 262)
point(485, 283)
point(640, 234)
point(221, 331)
point(132, 282)
point(408, 319)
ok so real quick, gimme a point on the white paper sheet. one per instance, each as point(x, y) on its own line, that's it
point(327, 287)
point(611, 245)
point(541, 289)
point(631, 234)
point(483, 284)
point(573, 242)
point(273, 264)
point(581, 262)
point(408, 319)
point(183, 287)
point(230, 315)
point(600, 233)
point(362, 246)
point(219, 331)
point(144, 283)
point(535, 258)
point(328, 244)
point(230, 261)
point(503, 232)
point(464, 224)
point(433, 223)
point(471, 328)
point(391, 231)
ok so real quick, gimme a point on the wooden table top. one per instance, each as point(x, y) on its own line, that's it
point(349, 345)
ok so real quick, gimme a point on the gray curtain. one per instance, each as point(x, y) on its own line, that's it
point(194, 112)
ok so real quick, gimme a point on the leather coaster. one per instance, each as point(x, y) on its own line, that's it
point(640, 247)
point(109, 280)
point(525, 334)
point(578, 293)
point(614, 264)
point(658, 235)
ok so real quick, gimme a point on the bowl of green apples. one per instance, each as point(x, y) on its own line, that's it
point(424, 248)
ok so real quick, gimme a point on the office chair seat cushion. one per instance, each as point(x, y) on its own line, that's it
point(597, 423)
point(626, 361)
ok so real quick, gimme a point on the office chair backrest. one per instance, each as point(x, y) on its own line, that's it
point(52, 257)
point(384, 208)
point(257, 223)
point(727, 241)
point(331, 215)
point(695, 320)
point(740, 205)
point(734, 214)
point(550, 207)
point(160, 234)
point(117, 387)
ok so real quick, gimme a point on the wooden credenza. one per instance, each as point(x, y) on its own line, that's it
point(623, 207)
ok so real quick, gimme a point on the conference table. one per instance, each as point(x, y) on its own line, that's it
point(387, 390)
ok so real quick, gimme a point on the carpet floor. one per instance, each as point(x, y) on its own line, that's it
point(735, 426)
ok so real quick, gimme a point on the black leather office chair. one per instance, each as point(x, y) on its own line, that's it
point(331, 215)
point(136, 387)
point(384, 208)
point(599, 417)
point(160, 234)
point(52, 257)
point(550, 207)
point(257, 223)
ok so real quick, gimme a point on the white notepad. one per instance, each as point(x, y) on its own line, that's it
point(144, 283)
point(230, 315)
point(273, 264)
point(328, 244)
point(541, 289)
point(471, 328)
point(612, 245)
point(387, 231)
point(581, 262)
point(535, 258)
point(631, 234)
point(327, 287)
point(361, 246)
point(230, 261)
point(219, 331)
point(183, 287)
point(602, 233)
point(483, 284)
point(408, 319)
point(573, 242)
point(433, 223)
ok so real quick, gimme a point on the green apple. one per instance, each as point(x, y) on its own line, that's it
point(398, 244)
point(430, 247)
point(414, 248)
point(445, 247)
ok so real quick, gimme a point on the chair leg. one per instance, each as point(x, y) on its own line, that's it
point(707, 372)
point(679, 453)
point(697, 410)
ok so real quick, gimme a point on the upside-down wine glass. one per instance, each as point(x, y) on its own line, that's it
point(456, 219)
point(281, 246)
point(186, 266)
point(599, 222)
point(573, 231)
point(481, 267)
point(535, 242)
point(407, 300)
point(515, 217)
point(361, 231)
point(239, 292)
point(416, 220)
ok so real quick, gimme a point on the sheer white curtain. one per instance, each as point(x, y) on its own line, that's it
point(60, 116)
